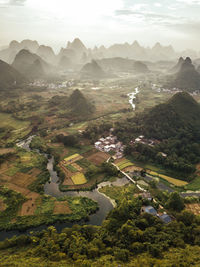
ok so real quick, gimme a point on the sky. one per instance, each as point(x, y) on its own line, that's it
point(97, 22)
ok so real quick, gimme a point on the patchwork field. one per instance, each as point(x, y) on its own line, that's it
point(194, 208)
point(98, 158)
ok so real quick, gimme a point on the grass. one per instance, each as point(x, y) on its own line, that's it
point(79, 179)
point(171, 180)
point(12, 171)
point(119, 192)
point(8, 120)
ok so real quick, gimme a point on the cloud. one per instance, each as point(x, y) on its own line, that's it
point(12, 2)
point(189, 2)
point(189, 28)
point(17, 2)
point(151, 17)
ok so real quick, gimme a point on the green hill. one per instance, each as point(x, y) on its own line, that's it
point(30, 65)
point(9, 77)
point(79, 105)
point(187, 78)
point(163, 121)
point(92, 71)
point(140, 67)
point(177, 67)
point(175, 128)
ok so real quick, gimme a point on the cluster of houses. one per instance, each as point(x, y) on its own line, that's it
point(110, 143)
point(150, 142)
point(141, 139)
point(151, 210)
point(164, 217)
point(41, 83)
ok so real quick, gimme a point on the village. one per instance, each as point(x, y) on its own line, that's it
point(110, 143)
point(141, 139)
point(60, 85)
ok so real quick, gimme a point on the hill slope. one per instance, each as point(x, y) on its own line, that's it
point(9, 76)
point(92, 71)
point(187, 77)
point(180, 113)
point(79, 105)
point(29, 64)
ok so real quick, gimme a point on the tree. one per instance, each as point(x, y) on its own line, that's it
point(175, 202)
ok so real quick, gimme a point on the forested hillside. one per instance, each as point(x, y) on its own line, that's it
point(127, 237)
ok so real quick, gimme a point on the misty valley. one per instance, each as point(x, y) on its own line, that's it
point(99, 155)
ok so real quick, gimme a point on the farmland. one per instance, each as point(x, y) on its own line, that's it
point(124, 163)
point(18, 211)
point(75, 167)
point(79, 178)
point(61, 207)
point(171, 180)
point(98, 158)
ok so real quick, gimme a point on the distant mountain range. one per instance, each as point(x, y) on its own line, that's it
point(76, 52)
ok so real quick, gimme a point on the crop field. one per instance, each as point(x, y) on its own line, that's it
point(4, 151)
point(132, 169)
point(194, 208)
point(77, 167)
point(79, 178)
point(12, 171)
point(124, 163)
point(72, 158)
point(22, 179)
point(17, 188)
point(29, 207)
point(171, 180)
point(61, 207)
point(98, 158)
point(46, 206)
point(71, 168)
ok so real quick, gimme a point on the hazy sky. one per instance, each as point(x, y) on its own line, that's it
point(96, 22)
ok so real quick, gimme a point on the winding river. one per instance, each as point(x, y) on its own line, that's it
point(132, 96)
point(51, 188)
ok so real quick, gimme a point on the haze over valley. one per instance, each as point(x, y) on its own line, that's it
point(100, 133)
